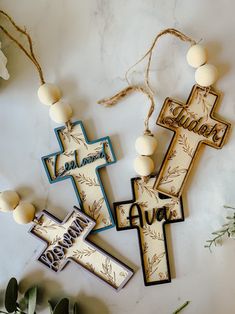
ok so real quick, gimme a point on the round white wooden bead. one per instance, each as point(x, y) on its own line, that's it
point(49, 93)
point(60, 112)
point(24, 213)
point(206, 75)
point(196, 56)
point(8, 200)
point(143, 165)
point(146, 145)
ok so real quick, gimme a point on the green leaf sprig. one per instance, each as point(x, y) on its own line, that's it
point(28, 304)
point(227, 229)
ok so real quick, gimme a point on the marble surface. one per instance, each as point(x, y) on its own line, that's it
point(86, 47)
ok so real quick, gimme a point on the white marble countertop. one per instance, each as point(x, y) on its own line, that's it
point(85, 47)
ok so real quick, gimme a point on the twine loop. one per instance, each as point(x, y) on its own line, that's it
point(29, 52)
point(147, 90)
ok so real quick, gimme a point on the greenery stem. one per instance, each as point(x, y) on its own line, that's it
point(181, 307)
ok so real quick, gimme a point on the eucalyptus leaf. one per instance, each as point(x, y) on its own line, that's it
point(31, 295)
point(23, 304)
point(11, 295)
point(62, 307)
point(75, 308)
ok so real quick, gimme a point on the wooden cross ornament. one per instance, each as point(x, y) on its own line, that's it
point(66, 241)
point(194, 124)
point(80, 160)
point(148, 212)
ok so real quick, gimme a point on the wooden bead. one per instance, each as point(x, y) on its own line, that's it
point(8, 201)
point(61, 112)
point(146, 145)
point(206, 75)
point(49, 94)
point(143, 165)
point(196, 56)
point(24, 213)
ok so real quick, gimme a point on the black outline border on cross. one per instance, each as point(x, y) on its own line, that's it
point(133, 200)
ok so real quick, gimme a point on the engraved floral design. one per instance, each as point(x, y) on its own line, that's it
point(183, 141)
point(83, 196)
point(55, 240)
point(69, 154)
point(81, 178)
point(77, 137)
point(152, 233)
point(94, 209)
point(153, 263)
point(83, 253)
point(144, 188)
point(108, 272)
point(200, 96)
point(90, 267)
point(172, 154)
point(47, 226)
point(171, 174)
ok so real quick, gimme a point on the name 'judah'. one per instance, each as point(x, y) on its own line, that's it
point(182, 119)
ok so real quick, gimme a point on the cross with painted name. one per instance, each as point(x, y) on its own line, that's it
point(66, 241)
point(149, 212)
point(80, 160)
point(193, 124)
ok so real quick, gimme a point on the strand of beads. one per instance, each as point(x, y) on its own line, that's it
point(50, 95)
point(145, 146)
point(206, 74)
point(23, 212)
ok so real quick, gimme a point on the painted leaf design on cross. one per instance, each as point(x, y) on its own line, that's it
point(55, 240)
point(171, 174)
point(172, 155)
point(153, 264)
point(90, 267)
point(83, 196)
point(47, 226)
point(69, 154)
point(183, 141)
point(122, 274)
point(86, 180)
point(94, 209)
point(70, 136)
point(144, 188)
point(108, 272)
point(152, 233)
point(201, 99)
point(83, 253)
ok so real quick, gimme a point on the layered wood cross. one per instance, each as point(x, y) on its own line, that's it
point(194, 124)
point(80, 160)
point(66, 241)
point(148, 212)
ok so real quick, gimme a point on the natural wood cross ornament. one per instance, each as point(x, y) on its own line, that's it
point(148, 212)
point(80, 160)
point(194, 124)
point(66, 241)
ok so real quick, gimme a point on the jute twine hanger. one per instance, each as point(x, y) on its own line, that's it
point(30, 54)
point(146, 89)
point(29, 51)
